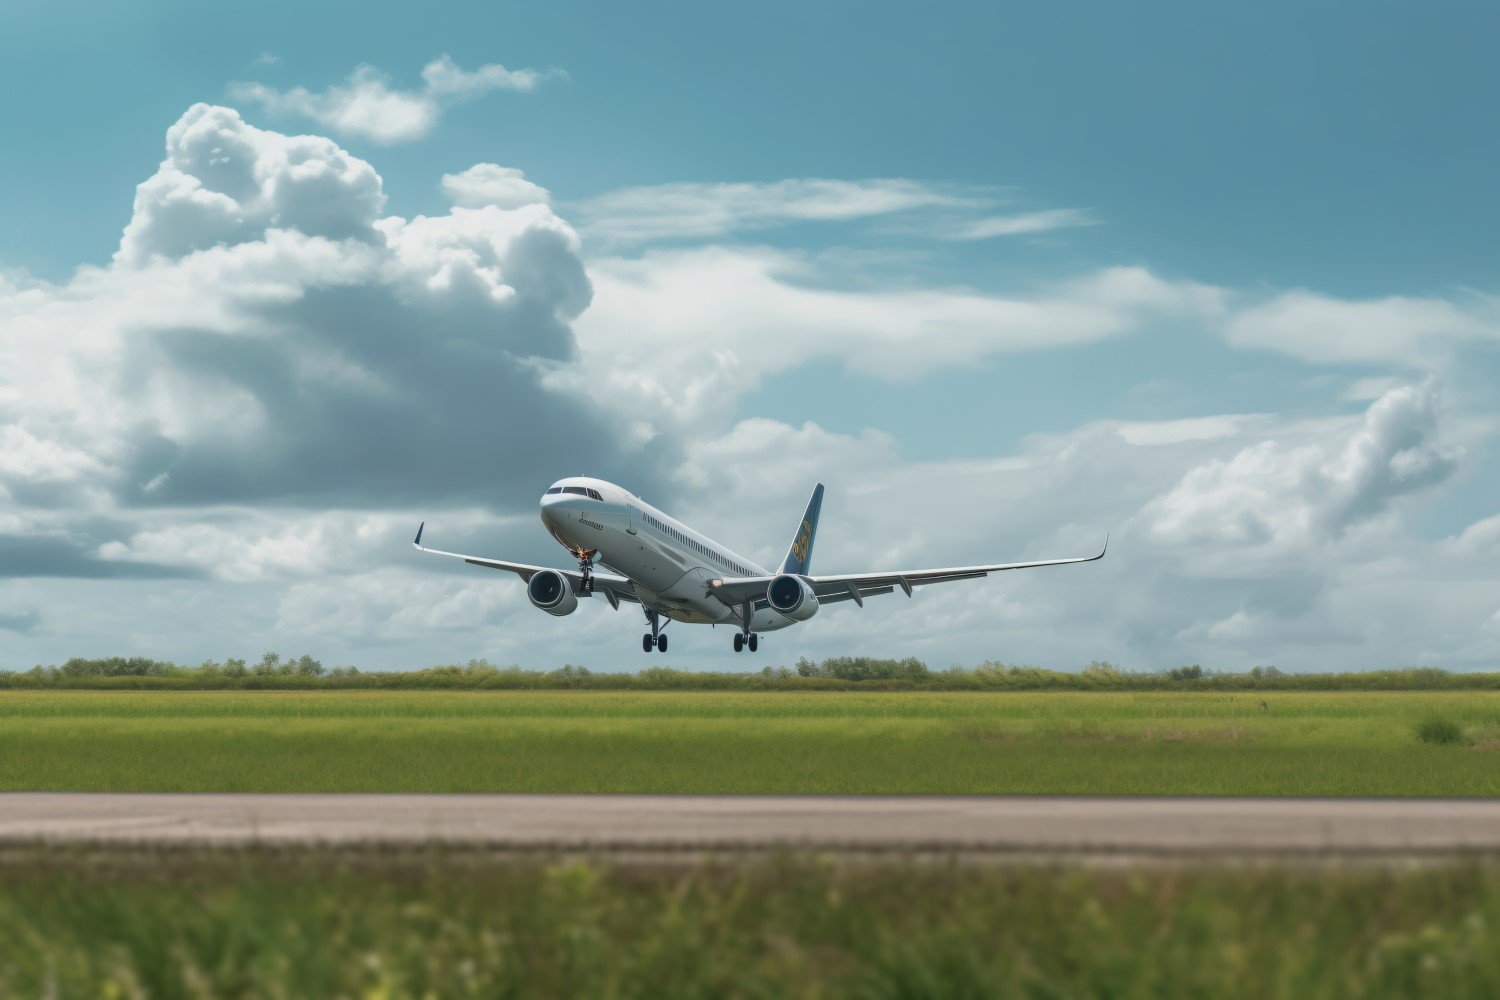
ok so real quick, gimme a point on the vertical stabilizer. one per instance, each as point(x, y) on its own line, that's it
point(799, 557)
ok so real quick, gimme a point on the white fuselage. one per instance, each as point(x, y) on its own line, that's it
point(668, 564)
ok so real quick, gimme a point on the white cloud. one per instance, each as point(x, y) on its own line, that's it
point(1341, 600)
point(1362, 390)
point(368, 606)
point(1279, 497)
point(1480, 539)
point(1022, 224)
point(241, 545)
point(264, 336)
point(271, 373)
point(226, 182)
point(687, 211)
point(1415, 333)
point(367, 106)
point(445, 79)
point(681, 335)
point(491, 184)
point(698, 211)
point(267, 59)
point(1163, 432)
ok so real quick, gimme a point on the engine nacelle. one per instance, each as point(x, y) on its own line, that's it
point(550, 591)
point(791, 596)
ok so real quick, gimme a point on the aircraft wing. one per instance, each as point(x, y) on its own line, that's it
point(857, 586)
point(612, 588)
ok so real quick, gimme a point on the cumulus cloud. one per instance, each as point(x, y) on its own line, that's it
point(367, 106)
point(226, 182)
point(265, 335)
point(1339, 602)
point(1281, 497)
point(491, 184)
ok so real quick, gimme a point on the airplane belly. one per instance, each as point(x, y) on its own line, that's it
point(686, 600)
point(642, 562)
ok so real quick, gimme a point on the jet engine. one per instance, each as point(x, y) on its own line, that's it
point(791, 596)
point(550, 591)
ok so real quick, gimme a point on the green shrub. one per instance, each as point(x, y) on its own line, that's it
point(837, 673)
point(1441, 731)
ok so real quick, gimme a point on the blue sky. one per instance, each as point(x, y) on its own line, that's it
point(1229, 273)
point(1333, 145)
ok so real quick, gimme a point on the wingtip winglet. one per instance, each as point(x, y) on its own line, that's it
point(418, 540)
point(1106, 547)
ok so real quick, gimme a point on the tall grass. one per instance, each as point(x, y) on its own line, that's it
point(1444, 732)
point(1167, 743)
point(328, 924)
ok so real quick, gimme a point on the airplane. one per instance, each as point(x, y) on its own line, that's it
point(677, 574)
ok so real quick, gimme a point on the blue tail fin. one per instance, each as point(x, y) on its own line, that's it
point(799, 556)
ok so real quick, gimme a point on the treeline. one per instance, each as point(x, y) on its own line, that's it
point(839, 673)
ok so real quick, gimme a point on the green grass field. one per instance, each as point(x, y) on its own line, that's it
point(330, 924)
point(832, 742)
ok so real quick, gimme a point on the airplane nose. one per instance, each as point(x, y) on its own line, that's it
point(557, 506)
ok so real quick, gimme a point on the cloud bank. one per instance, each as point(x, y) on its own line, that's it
point(222, 439)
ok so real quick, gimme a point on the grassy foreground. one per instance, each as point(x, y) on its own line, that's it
point(311, 925)
point(1270, 743)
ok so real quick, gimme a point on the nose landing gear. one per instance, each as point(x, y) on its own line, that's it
point(654, 639)
point(585, 559)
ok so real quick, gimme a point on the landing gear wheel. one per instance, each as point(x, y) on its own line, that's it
point(754, 642)
point(661, 643)
point(739, 641)
point(647, 643)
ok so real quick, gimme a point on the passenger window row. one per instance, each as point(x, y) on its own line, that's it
point(693, 544)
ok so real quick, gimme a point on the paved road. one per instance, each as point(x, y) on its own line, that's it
point(1115, 827)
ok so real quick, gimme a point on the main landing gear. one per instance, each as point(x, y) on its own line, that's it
point(654, 639)
point(744, 637)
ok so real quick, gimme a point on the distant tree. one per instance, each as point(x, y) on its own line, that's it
point(1102, 672)
point(269, 665)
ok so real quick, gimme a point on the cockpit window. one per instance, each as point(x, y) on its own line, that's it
point(594, 495)
point(555, 489)
point(576, 489)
